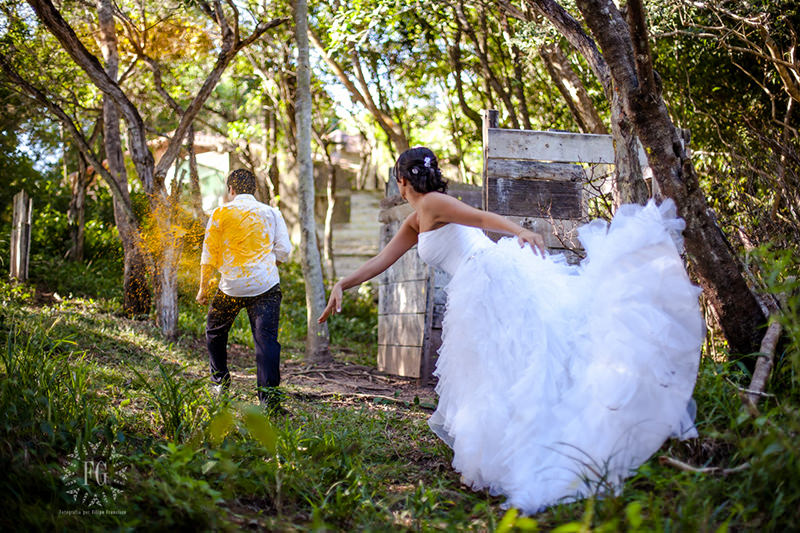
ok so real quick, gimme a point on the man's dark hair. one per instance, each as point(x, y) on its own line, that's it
point(242, 181)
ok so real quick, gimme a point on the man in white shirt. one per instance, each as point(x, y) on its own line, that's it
point(245, 241)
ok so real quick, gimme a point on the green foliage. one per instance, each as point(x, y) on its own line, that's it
point(355, 329)
point(778, 270)
point(182, 405)
point(76, 381)
point(99, 278)
point(720, 84)
point(17, 162)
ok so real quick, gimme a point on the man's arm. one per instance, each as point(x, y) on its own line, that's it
point(206, 273)
point(209, 258)
point(283, 245)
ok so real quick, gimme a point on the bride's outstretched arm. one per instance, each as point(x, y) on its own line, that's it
point(441, 208)
point(405, 238)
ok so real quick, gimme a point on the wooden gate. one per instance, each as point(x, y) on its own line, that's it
point(539, 179)
point(536, 178)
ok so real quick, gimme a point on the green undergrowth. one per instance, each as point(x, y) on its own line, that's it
point(108, 427)
point(354, 333)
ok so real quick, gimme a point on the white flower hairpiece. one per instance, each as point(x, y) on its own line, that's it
point(427, 162)
point(415, 170)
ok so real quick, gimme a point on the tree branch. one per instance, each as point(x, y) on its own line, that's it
point(64, 33)
point(764, 363)
point(228, 51)
point(80, 140)
point(572, 30)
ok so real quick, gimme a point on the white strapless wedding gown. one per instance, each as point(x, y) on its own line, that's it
point(557, 381)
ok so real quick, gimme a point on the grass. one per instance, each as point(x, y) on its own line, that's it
point(81, 385)
point(354, 333)
point(188, 457)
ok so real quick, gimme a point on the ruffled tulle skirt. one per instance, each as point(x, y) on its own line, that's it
point(557, 381)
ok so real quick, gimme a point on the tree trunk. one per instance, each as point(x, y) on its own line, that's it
point(317, 340)
point(170, 243)
point(627, 52)
point(481, 50)
point(571, 88)
point(136, 300)
point(21, 236)
point(457, 66)
point(393, 130)
point(76, 213)
point(330, 270)
point(628, 185)
point(270, 159)
point(519, 75)
point(194, 179)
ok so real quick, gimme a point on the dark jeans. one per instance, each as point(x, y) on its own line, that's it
point(263, 311)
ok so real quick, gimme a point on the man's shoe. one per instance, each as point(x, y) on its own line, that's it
point(220, 389)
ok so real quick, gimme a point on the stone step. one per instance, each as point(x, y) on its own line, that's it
point(356, 241)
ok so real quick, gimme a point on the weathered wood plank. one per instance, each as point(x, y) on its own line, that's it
point(436, 343)
point(428, 350)
point(572, 257)
point(400, 360)
point(520, 168)
point(387, 232)
point(441, 278)
point(408, 268)
point(559, 147)
point(523, 197)
point(401, 330)
point(394, 214)
point(402, 297)
point(554, 231)
point(440, 297)
point(438, 314)
point(469, 194)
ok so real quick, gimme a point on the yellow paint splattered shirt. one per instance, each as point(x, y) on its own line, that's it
point(244, 239)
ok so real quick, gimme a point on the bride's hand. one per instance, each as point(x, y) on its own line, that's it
point(534, 239)
point(334, 304)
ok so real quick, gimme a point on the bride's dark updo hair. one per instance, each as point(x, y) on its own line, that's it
point(420, 167)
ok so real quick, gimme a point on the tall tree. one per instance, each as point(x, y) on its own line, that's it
point(626, 49)
point(166, 230)
point(136, 291)
point(571, 88)
point(357, 86)
point(628, 185)
point(317, 340)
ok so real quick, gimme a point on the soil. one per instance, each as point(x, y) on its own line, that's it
point(342, 381)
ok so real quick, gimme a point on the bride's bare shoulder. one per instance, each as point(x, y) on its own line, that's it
point(412, 221)
point(436, 197)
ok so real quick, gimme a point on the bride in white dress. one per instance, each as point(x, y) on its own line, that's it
point(555, 381)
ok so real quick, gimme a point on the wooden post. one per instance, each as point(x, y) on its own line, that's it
point(21, 236)
point(490, 120)
point(428, 356)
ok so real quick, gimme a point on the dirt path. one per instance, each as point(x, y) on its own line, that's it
point(341, 382)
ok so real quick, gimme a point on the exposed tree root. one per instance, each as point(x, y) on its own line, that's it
point(680, 465)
